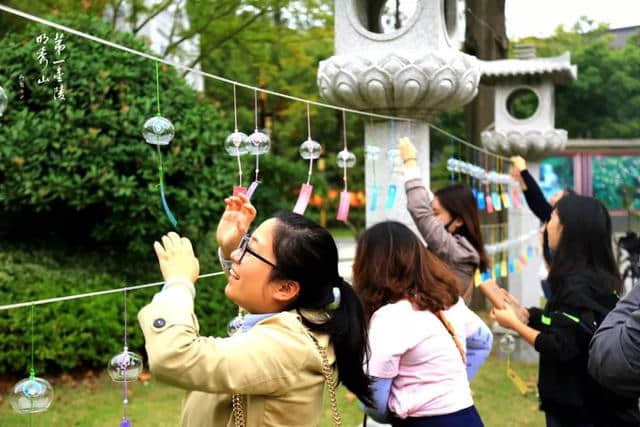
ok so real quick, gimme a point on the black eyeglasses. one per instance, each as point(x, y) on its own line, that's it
point(244, 248)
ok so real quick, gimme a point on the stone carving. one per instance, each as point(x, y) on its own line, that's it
point(530, 144)
point(401, 83)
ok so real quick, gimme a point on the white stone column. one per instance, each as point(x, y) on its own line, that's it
point(526, 285)
point(378, 133)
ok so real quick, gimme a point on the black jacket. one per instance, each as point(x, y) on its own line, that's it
point(576, 307)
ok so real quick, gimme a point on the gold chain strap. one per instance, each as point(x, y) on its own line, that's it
point(327, 372)
point(238, 411)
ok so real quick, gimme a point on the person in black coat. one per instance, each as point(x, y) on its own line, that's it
point(585, 282)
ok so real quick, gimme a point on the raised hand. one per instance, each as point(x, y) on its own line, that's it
point(176, 257)
point(407, 151)
point(235, 222)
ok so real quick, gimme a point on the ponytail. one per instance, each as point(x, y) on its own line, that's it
point(306, 252)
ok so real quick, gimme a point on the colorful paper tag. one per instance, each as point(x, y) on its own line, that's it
point(475, 193)
point(343, 208)
point(477, 277)
point(504, 271)
point(373, 204)
point(496, 270)
point(239, 190)
point(518, 266)
point(497, 204)
point(506, 203)
point(391, 195)
point(486, 275)
point(303, 198)
point(512, 266)
point(252, 189)
point(489, 203)
point(530, 251)
point(481, 203)
point(523, 258)
point(517, 203)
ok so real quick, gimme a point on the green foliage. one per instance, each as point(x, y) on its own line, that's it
point(85, 157)
point(85, 333)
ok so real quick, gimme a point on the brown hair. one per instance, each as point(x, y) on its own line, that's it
point(391, 264)
point(458, 200)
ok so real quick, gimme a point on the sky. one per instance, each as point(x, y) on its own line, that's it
point(541, 17)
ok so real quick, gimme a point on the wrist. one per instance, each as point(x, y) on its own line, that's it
point(180, 281)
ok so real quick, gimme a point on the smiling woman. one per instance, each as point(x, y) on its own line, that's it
point(300, 319)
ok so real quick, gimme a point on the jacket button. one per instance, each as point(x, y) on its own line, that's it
point(159, 323)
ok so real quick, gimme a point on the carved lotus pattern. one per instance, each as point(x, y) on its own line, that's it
point(415, 85)
point(531, 144)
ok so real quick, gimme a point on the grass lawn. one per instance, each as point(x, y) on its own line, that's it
point(97, 402)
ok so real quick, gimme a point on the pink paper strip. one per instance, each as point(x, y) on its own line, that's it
point(343, 209)
point(239, 190)
point(489, 203)
point(303, 198)
point(517, 203)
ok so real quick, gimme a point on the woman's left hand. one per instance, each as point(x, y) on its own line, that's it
point(176, 258)
point(506, 317)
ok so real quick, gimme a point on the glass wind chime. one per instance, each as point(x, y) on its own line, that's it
point(159, 131)
point(259, 144)
point(124, 368)
point(372, 153)
point(309, 150)
point(345, 159)
point(33, 394)
point(237, 144)
point(507, 346)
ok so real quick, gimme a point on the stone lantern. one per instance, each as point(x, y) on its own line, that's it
point(415, 72)
point(525, 125)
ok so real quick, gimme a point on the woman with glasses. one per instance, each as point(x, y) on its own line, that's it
point(300, 321)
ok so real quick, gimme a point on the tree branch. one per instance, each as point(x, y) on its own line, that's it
point(152, 15)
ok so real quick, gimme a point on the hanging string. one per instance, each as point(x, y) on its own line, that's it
point(163, 198)
point(32, 370)
point(235, 122)
point(201, 73)
point(255, 110)
point(93, 294)
point(344, 137)
point(124, 374)
point(309, 139)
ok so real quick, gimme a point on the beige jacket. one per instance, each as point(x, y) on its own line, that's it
point(275, 366)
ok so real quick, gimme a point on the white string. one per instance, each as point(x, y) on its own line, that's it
point(92, 294)
point(344, 135)
point(181, 66)
point(235, 119)
point(255, 110)
point(310, 146)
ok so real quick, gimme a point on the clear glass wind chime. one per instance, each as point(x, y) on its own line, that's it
point(259, 143)
point(33, 394)
point(124, 368)
point(160, 131)
point(393, 155)
point(309, 150)
point(237, 144)
point(345, 159)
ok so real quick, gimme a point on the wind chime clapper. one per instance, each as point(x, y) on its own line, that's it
point(345, 159)
point(159, 131)
point(259, 144)
point(32, 394)
point(125, 367)
point(309, 150)
point(237, 144)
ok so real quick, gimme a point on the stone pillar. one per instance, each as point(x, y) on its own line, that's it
point(531, 133)
point(414, 72)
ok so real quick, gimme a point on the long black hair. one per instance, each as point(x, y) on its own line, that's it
point(458, 200)
point(585, 243)
point(306, 252)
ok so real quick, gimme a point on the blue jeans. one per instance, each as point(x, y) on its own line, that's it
point(552, 421)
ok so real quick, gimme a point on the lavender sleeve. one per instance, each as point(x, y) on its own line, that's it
point(381, 391)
